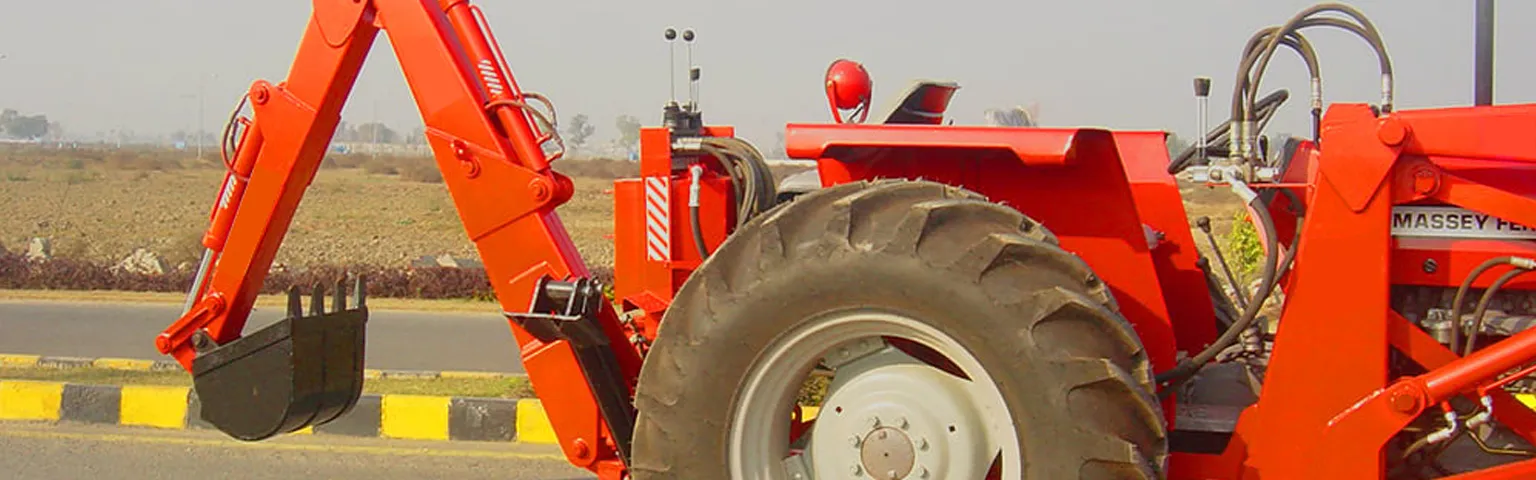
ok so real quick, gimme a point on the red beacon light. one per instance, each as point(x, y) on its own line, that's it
point(848, 87)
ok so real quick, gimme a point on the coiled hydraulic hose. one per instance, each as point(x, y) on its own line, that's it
point(1243, 96)
point(750, 175)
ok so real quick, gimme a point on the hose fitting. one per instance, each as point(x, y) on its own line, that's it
point(695, 172)
point(1444, 434)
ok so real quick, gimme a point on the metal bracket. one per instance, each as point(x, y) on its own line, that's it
point(568, 310)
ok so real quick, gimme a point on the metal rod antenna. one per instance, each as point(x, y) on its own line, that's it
point(671, 36)
point(692, 71)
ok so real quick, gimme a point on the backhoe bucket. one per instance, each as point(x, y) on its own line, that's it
point(301, 371)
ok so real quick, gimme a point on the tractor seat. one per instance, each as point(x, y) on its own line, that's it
point(923, 103)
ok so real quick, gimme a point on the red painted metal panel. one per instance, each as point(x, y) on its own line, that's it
point(1072, 181)
point(1161, 207)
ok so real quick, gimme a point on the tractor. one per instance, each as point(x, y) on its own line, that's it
point(972, 301)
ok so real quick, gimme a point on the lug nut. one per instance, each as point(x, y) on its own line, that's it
point(922, 443)
point(855, 470)
point(891, 474)
point(853, 441)
point(922, 472)
point(902, 422)
point(873, 422)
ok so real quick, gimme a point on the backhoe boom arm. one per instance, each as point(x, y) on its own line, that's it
point(489, 147)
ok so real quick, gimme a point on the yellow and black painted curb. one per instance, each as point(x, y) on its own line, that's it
point(418, 417)
point(142, 365)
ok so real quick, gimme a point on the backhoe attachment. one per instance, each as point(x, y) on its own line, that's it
point(494, 149)
point(303, 370)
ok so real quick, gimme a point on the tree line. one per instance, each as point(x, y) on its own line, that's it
point(576, 132)
point(25, 127)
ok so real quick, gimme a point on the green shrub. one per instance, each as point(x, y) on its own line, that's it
point(1244, 251)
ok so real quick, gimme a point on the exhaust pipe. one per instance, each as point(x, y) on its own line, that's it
point(1483, 69)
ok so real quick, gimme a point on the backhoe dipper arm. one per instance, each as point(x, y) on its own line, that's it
point(483, 135)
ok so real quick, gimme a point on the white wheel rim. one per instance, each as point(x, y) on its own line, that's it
point(890, 394)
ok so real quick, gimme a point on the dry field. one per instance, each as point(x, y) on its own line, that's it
point(347, 216)
point(101, 205)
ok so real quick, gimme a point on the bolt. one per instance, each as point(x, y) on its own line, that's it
point(853, 441)
point(856, 471)
point(581, 448)
point(1430, 266)
point(1404, 402)
point(261, 95)
point(873, 422)
point(1391, 131)
point(1425, 181)
point(460, 149)
point(902, 422)
point(922, 444)
point(201, 340)
point(540, 188)
point(922, 472)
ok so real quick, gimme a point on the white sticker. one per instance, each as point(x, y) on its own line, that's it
point(1453, 222)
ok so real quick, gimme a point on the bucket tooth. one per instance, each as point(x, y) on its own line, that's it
point(317, 300)
point(357, 290)
point(340, 296)
point(302, 371)
point(295, 302)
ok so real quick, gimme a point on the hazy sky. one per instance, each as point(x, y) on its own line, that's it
point(96, 65)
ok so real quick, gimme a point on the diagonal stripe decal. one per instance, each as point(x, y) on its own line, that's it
point(658, 222)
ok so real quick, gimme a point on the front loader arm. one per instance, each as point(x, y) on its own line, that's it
point(486, 144)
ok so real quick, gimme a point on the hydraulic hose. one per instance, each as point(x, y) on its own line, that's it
point(1266, 108)
point(1482, 308)
point(697, 172)
point(1243, 95)
point(1466, 284)
point(749, 172)
point(1302, 47)
point(1272, 266)
point(751, 179)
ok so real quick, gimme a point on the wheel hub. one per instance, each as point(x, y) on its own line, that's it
point(889, 416)
point(886, 415)
point(888, 453)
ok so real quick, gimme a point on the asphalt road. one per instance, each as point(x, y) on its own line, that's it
point(396, 340)
point(40, 451)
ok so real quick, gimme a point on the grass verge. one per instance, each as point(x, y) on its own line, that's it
point(270, 301)
point(502, 387)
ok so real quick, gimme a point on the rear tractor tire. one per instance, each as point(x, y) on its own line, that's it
point(964, 344)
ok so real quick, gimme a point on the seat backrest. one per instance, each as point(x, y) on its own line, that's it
point(1010, 117)
point(923, 102)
